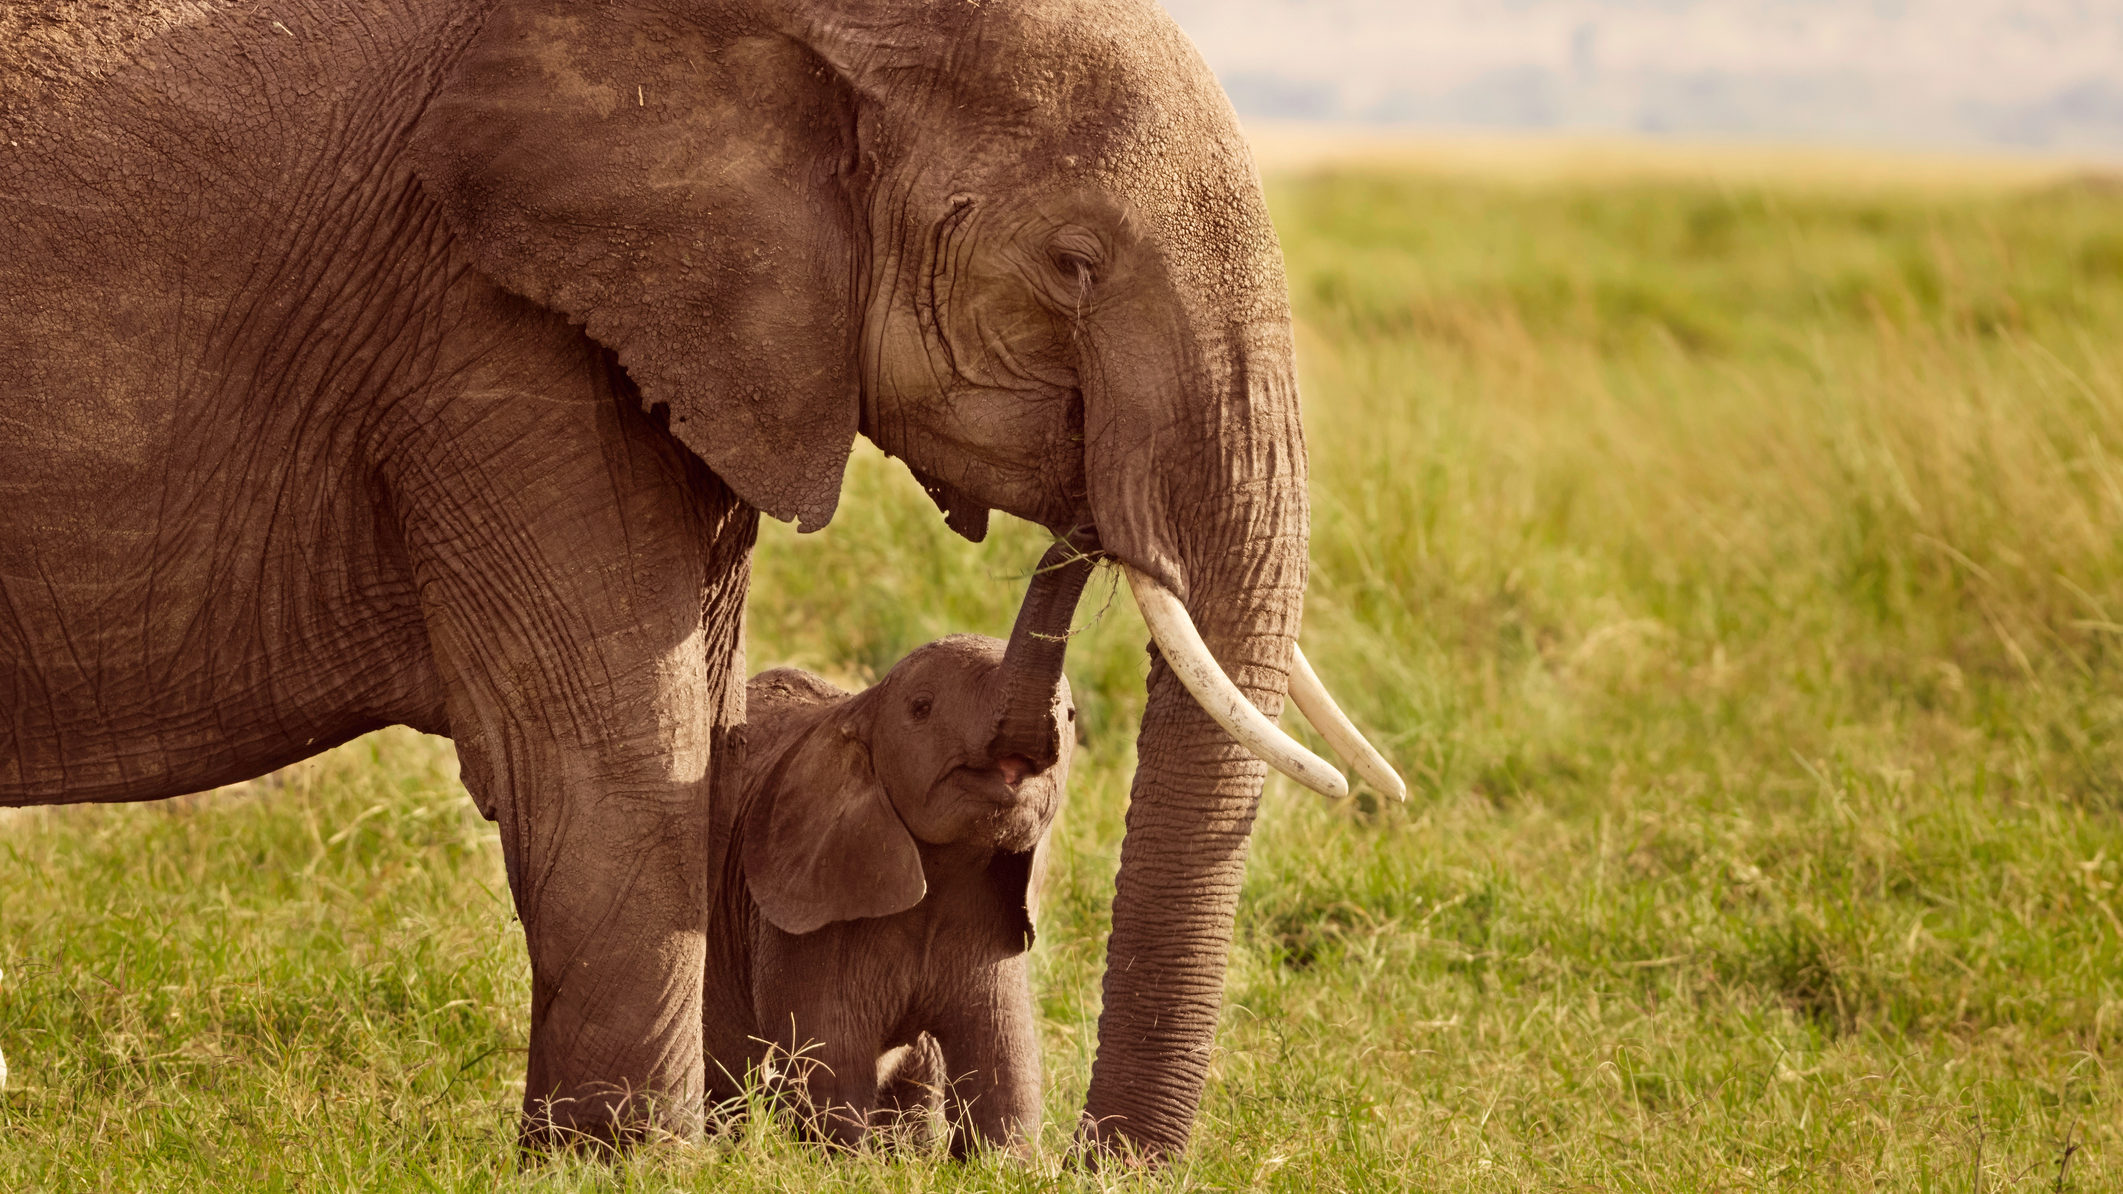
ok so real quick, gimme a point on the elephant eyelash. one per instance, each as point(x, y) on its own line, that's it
point(1073, 262)
point(1083, 292)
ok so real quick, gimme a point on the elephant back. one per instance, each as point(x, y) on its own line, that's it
point(780, 702)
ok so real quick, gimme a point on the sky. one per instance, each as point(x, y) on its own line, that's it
point(2035, 74)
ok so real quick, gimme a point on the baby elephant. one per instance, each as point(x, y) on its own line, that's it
point(871, 877)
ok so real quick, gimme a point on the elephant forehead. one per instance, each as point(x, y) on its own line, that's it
point(1116, 97)
point(972, 653)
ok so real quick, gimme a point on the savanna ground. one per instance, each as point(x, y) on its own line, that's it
point(1734, 567)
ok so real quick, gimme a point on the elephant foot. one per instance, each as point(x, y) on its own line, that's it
point(910, 1096)
point(603, 1124)
point(1101, 1146)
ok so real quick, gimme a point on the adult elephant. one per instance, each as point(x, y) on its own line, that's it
point(427, 362)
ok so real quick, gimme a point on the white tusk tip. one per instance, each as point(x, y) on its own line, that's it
point(1311, 698)
point(1189, 658)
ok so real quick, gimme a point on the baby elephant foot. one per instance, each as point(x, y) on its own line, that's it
point(910, 1096)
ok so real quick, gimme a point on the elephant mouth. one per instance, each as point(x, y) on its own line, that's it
point(1014, 769)
point(997, 813)
point(1001, 784)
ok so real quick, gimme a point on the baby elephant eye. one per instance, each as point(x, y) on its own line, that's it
point(920, 708)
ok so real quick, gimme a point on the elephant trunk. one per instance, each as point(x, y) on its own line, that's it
point(1236, 541)
point(1032, 662)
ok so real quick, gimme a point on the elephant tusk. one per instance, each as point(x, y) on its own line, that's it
point(1319, 708)
point(1198, 670)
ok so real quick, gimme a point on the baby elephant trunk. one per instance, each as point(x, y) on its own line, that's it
point(1027, 732)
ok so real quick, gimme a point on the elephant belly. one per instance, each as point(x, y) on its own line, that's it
point(129, 690)
point(180, 612)
point(192, 587)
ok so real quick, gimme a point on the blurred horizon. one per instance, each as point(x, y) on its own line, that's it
point(2026, 75)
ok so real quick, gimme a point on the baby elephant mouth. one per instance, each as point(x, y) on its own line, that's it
point(1004, 805)
point(1014, 768)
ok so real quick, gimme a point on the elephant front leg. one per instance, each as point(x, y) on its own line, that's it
point(604, 828)
point(826, 1010)
point(831, 1060)
point(991, 1056)
point(583, 586)
point(607, 884)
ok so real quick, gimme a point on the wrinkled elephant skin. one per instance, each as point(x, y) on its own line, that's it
point(428, 361)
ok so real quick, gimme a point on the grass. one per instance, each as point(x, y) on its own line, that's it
point(1737, 572)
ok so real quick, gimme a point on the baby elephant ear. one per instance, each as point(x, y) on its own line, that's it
point(822, 842)
point(1018, 876)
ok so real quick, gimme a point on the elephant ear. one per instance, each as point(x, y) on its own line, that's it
point(1017, 876)
point(822, 842)
point(680, 193)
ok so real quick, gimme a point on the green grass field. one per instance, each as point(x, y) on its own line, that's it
point(1736, 572)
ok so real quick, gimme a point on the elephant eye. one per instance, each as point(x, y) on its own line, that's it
point(920, 707)
point(1074, 266)
point(1077, 254)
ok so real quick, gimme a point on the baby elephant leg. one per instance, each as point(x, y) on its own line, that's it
point(991, 1058)
point(910, 1094)
point(828, 1050)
